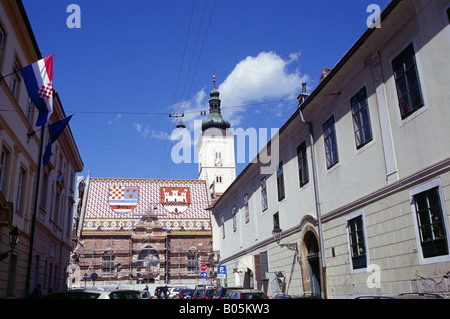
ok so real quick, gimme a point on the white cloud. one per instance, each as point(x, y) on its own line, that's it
point(263, 78)
point(255, 79)
point(144, 130)
point(259, 79)
point(117, 118)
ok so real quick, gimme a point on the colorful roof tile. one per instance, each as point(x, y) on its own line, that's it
point(119, 203)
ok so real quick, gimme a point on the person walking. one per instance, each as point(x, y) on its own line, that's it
point(166, 292)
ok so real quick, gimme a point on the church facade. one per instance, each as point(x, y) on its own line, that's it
point(153, 231)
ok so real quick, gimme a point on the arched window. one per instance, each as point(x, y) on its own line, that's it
point(192, 261)
point(108, 268)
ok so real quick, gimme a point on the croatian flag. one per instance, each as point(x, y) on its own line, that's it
point(38, 79)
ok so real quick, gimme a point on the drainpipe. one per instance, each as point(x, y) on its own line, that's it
point(316, 192)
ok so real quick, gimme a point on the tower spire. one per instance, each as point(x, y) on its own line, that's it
point(215, 118)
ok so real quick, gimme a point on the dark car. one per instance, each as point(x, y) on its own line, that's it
point(197, 293)
point(223, 292)
point(247, 294)
point(207, 294)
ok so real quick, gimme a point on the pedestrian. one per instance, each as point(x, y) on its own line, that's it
point(37, 292)
point(147, 292)
point(166, 292)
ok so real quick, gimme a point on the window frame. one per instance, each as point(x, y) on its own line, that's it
point(349, 218)
point(281, 190)
point(264, 200)
point(21, 190)
point(413, 67)
point(233, 214)
point(359, 114)
point(330, 135)
point(246, 209)
point(302, 161)
point(416, 191)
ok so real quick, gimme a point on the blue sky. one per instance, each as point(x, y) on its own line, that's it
point(132, 63)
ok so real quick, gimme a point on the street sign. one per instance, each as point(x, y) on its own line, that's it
point(203, 274)
point(221, 271)
point(203, 267)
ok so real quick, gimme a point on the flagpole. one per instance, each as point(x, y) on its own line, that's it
point(33, 218)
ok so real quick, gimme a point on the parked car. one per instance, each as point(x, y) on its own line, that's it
point(174, 291)
point(207, 294)
point(94, 294)
point(185, 294)
point(247, 294)
point(419, 295)
point(223, 292)
point(197, 293)
point(159, 291)
point(304, 296)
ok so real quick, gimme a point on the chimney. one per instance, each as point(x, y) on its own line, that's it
point(302, 96)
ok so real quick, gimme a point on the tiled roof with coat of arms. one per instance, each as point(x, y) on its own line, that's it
point(115, 204)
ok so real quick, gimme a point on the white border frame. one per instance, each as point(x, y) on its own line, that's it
point(348, 217)
point(417, 190)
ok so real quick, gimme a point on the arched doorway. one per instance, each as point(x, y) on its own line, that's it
point(312, 249)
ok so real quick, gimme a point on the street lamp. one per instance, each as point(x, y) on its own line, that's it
point(13, 240)
point(277, 232)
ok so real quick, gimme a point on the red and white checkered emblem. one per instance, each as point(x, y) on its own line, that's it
point(46, 91)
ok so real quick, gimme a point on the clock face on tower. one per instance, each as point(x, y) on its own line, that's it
point(218, 162)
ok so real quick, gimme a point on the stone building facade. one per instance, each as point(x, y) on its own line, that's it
point(136, 231)
point(359, 196)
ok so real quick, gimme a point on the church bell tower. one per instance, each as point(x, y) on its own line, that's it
point(217, 164)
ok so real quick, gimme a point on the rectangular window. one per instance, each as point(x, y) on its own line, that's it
point(264, 264)
point(329, 135)
point(3, 158)
point(108, 263)
point(192, 261)
point(30, 111)
point(222, 221)
point(407, 82)
point(280, 181)
point(2, 41)
point(276, 220)
point(433, 236)
point(44, 192)
point(263, 194)
point(361, 119)
point(21, 188)
point(302, 164)
point(15, 82)
point(247, 211)
point(233, 213)
point(357, 242)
